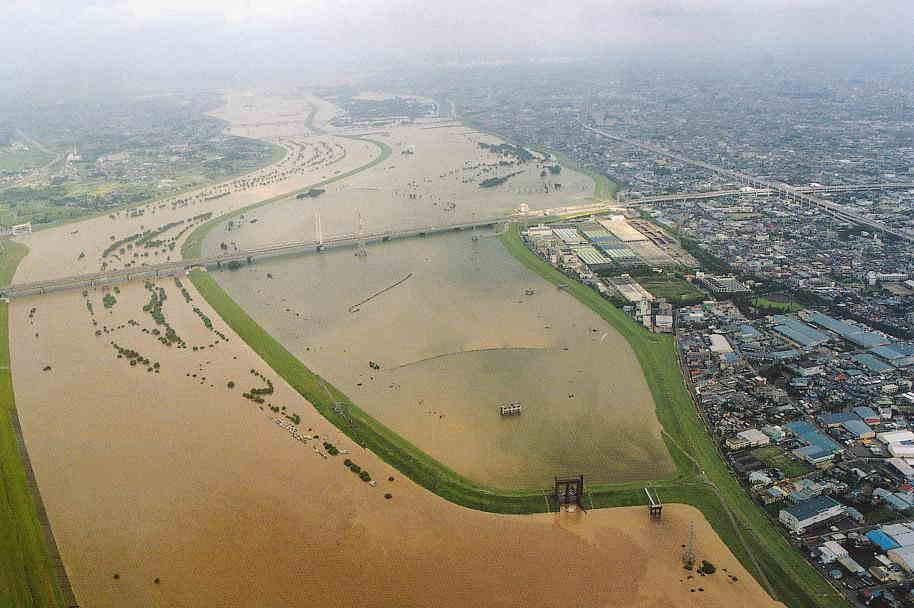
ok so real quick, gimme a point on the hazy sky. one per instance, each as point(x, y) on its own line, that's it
point(66, 40)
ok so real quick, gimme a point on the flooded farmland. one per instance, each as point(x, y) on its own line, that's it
point(467, 330)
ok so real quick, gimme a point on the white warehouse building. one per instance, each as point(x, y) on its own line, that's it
point(806, 513)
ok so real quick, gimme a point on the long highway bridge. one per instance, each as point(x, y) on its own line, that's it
point(154, 271)
point(791, 192)
point(599, 207)
point(764, 192)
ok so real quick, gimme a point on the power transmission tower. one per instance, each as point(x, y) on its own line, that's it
point(360, 250)
point(319, 230)
point(688, 554)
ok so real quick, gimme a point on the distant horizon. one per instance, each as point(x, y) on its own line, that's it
point(50, 45)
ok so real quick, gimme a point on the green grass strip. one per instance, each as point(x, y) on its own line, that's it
point(27, 574)
point(794, 581)
point(193, 245)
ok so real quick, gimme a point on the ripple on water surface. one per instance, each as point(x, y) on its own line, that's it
point(455, 340)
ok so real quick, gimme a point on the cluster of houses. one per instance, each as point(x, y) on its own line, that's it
point(814, 414)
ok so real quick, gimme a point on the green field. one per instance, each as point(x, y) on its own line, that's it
point(775, 458)
point(27, 575)
point(677, 291)
point(23, 159)
point(765, 304)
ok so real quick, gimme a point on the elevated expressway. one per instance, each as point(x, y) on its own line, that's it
point(793, 193)
point(688, 196)
point(153, 271)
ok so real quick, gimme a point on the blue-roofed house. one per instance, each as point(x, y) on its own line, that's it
point(872, 363)
point(815, 455)
point(859, 335)
point(811, 435)
point(835, 419)
point(896, 503)
point(867, 414)
point(859, 429)
point(882, 540)
point(800, 428)
point(801, 333)
point(747, 332)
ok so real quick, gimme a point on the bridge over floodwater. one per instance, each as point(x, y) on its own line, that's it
point(352, 239)
point(164, 269)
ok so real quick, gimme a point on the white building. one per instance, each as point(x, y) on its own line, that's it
point(755, 437)
point(901, 450)
point(890, 437)
point(830, 551)
point(719, 344)
point(806, 513)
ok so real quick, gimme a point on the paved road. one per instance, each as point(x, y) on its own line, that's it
point(790, 191)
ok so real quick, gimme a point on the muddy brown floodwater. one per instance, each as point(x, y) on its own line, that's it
point(194, 496)
point(457, 339)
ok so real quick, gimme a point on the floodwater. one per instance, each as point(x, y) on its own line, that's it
point(454, 341)
point(193, 496)
point(172, 490)
point(431, 178)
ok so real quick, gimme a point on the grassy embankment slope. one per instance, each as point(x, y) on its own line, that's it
point(604, 188)
point(27, 575)
point(791, 578)
point(193, 245)
point(702, 478)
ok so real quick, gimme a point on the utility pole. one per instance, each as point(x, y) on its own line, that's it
point(360, 249)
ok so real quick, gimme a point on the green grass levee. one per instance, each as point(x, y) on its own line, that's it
point(28, 575)
point(702, 478)
point(793, 579)
point(193, 245)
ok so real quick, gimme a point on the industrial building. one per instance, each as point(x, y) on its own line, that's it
point(861, 336)
point(904, 557)
point(798, 332)
point(721, 285)
point(807, 513)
